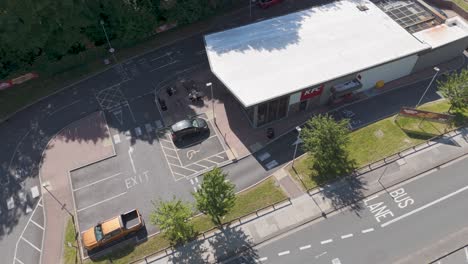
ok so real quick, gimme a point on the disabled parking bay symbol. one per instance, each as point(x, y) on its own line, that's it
point(191, 153)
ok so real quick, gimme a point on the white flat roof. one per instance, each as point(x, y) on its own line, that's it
point(453, 29)
point(275, 57)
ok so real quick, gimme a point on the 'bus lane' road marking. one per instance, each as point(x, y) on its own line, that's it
point(424, 206)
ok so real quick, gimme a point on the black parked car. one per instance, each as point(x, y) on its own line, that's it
point(187, 127)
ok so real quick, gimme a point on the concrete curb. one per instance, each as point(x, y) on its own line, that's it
point(310, 220)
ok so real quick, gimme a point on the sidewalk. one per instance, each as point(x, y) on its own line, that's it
point(224, 244)
point(83, 142)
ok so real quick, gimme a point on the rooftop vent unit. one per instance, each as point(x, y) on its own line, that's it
point(362, 7)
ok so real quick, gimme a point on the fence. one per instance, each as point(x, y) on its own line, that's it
point(399, 155)
point(212, 231)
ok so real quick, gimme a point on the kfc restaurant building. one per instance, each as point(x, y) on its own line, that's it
point(285, 65)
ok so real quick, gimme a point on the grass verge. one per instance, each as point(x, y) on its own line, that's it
point(462, 3)
point(70, 253)
point(383, 138)
point(264, 194)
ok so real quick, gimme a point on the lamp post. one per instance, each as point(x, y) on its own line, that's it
point(64, 207)
point(111, 49)
point(433, 78)
point(298, 141)
point(212, 100)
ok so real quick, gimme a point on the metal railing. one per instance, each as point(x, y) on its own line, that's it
point(399, 155)
point(212, 231)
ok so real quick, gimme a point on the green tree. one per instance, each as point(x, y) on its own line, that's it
point(216, 195)
point(326, 140)
point(172, 217)
point(455, 89)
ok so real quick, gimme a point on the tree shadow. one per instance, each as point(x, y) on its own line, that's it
point(232, 241)
point(191, 252)
point(346, 192)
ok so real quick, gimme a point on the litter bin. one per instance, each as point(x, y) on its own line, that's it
point(270, 133)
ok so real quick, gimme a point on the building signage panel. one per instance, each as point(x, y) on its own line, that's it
point(430, 116)
point(311, 92)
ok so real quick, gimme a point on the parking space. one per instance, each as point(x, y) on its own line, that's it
point(192, 157)
point(29, 245)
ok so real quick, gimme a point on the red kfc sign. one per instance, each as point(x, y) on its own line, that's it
point(311, 92)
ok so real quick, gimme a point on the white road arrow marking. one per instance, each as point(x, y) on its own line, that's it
point(130, 151)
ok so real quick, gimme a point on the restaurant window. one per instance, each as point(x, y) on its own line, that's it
point(272, 110)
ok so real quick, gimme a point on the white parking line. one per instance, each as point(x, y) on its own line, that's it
point(32, 221)
point(191, 181)
point(305, 247)
point(174, 157)
point(183, 167)
point(116, 138)
point(424, 206)
point(194, 189)
point(19, 260)
point(466, 253)
point(367, 230)
point(103, 201)
point(167, 148)
point(165, 65)
point(326, 241)
point(347, 236)
point(96, 182)
point(31, 244)
point(284, 253)
point(196, 179)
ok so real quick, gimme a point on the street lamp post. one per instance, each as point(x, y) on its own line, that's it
point(433, 78)
point(111, 49)
point(298, 141)
point(212, 100)
point(64, 207)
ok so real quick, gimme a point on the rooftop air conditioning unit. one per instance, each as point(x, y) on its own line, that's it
point(362, 7)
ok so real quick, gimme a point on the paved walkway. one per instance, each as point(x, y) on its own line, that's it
point(83, 142)
point(321, 202)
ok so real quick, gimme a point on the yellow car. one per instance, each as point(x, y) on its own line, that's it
point(112, 229)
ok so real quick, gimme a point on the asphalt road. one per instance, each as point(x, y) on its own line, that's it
point(412, 223)
point(122, 93)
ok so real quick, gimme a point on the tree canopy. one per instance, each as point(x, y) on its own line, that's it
point(172, 218)
point(216, 195)
point(45, 30)
point(455, 89)
point(326, 140)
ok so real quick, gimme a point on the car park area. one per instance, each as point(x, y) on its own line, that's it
point(194, 155)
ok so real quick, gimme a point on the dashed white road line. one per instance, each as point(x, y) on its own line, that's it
point(103, 201)
point(305, 247)
point(326, 241)
point(262, 259)
point(367, 230)
point(284, 253)
point(98, 181)
point(424, 206)
point(347, 236)
point(319, 255)
point(31, 244)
